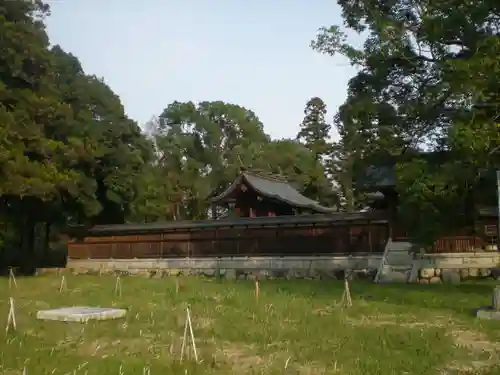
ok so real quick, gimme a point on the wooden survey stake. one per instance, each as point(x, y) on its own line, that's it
point(346, 297)
point(11, 318)
point(257, 289)
point(118, 287)
point(185, 339)
point(12, 278)
point(63, 285)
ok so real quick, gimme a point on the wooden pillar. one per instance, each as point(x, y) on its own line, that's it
point(232, 208)
point(214, 211)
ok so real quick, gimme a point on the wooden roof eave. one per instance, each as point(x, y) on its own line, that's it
point(259, 222)
point(315, 206)
point(226, 193)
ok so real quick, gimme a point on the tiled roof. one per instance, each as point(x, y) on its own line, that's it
point(287, 220)
point(276, 188)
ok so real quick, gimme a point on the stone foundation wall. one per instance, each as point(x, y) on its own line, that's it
point(453, 268)
point(432, 268)
point(233, 267)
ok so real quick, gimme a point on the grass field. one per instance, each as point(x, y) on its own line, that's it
point(295, 328)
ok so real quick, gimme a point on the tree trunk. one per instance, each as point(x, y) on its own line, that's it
point(28, 246)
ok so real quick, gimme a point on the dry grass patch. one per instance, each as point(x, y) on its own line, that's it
point(242, 358)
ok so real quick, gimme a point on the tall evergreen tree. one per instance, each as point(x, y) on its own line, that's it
point(314, 129)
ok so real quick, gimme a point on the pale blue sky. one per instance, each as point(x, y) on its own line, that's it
point(252, 53)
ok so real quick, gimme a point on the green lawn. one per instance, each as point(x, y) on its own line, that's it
point(391, 329)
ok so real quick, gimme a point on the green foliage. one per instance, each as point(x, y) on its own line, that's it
point(427, 80)
point(433, 204)
point(314, 134)
point(67, 149)
point(314, 129)
point(70, 155)
point(200, 150)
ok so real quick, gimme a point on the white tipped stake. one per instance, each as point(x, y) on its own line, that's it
point(118, 287)
point(287, 362)
point(11, 318)
point(185, 337)
point(346, 297)
point(63, 286)
point(12, 278)
point(24, 371)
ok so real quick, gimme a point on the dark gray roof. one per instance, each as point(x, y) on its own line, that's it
point(384, 175)
point(380, 177)
point(276, 189)
point(338, 218)
point(488, 211)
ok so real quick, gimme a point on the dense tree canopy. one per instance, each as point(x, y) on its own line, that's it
point(67, 150)
point(427, 81)
point(200, 149)
point(70, 155)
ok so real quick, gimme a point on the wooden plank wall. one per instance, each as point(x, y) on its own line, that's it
point(281, 241)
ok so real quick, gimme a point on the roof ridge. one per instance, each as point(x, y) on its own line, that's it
point(267, 175)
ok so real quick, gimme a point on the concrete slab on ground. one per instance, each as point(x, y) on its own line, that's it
point(81, 314)
point(488, 313)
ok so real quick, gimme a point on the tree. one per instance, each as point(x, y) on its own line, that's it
point(35, 157)
point(345, 161)
point(201, 148)
point(67, 150)
point(153, 201)
point(301, 168)
point(314, 129)
point(112, 149)
point(314, 135)
point(426, 81)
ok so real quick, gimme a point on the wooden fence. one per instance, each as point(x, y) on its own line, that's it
point(340, 234)
point(307, 239)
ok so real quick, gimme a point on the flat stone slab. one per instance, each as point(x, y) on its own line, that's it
point(81, 314)
point(488, 313)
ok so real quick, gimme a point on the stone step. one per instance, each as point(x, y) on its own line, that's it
point(397, 263)
point(398, 250)
point(398, 260)
point(393, 275)
point(402, 254)
point(400, 245)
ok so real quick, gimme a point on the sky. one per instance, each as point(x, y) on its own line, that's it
point(252, 53)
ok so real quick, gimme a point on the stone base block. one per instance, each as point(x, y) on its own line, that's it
point(81, 314)
point(488, 313)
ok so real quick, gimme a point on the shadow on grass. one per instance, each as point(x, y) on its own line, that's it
point(462, 299)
